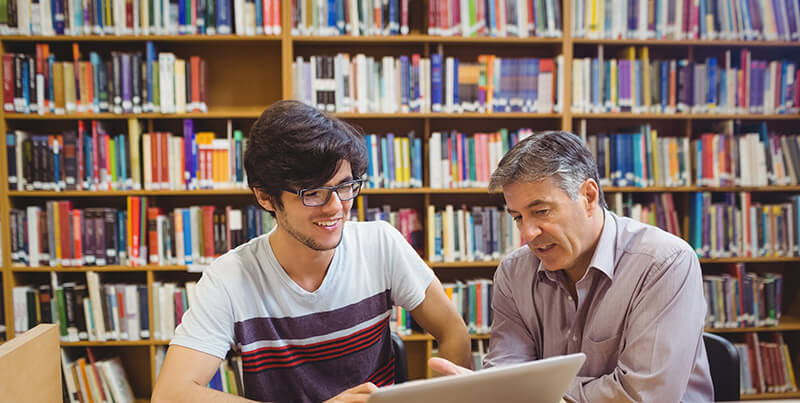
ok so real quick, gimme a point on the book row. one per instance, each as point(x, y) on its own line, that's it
point(138, 235)
point(683, 19)
point(88, 379)
point(366, 84)
point(765, 366)
point(121, 82)
point(140, 17)
point(479, 233)
point(738, 298)
point(228, 378)
point(90, 158)
point(101, 311)
point(460, 160)
point(633, 82)
point(406, 220)
point(495, 18)
point(472, 300)
point(732, 224)
point(655, 209)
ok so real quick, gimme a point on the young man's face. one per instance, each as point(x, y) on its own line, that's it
point(552, 224)
point(318, 228)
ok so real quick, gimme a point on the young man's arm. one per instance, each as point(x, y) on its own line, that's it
point(184, 376)
point(437, 315)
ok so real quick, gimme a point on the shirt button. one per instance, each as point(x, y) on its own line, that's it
point(568, 332)
point(570, 298)
point(574, 338)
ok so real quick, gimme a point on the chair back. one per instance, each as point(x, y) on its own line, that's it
point(400, 359)
point(723, 362)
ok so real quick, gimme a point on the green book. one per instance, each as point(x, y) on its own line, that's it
point(156, 87)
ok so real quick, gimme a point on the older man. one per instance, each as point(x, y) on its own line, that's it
point(626, 294)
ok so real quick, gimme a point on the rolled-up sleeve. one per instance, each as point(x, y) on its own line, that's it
point(663, 336)
point(512, 341)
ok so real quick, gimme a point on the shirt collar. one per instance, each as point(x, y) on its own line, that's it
point(604, 255)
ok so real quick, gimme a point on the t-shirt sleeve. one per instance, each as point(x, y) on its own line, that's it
point(208, 324)
point(409, 275)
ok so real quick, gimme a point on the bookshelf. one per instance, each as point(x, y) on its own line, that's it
point(248, 73)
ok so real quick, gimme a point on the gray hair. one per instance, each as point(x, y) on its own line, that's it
point(558, 155)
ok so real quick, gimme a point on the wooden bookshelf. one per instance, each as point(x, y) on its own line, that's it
point(257, 71)
point(772, 396)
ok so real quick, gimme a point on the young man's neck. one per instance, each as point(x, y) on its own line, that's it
point(305, 266)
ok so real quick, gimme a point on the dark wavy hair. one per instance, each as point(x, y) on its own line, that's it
point(295, 146)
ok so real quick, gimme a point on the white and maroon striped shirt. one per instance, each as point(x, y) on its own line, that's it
point(307, 346)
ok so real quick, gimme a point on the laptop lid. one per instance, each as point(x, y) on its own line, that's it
point(541, 381)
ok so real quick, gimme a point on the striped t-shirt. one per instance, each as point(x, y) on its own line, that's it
point(307, 346)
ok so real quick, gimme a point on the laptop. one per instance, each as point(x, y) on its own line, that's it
point(542, 381)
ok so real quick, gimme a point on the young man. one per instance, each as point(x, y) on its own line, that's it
point(308, 304)
point(626, 294)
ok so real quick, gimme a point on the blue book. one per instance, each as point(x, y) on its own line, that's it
point(531, 71)
point(59, 18)
point(224, 17)
point(394, 20)
point(189, 154)
point(150, 57)
point(251, 222)
point(26, 95)
point(711, 93)
point(404, 83)
point(99, 24)
point(385, 163)
point(259, 17)
point(391, 173)
point(454, 82)
point(144, 314)
point(696, 224)
point(237, 139)
point(122, 244)
point(702, 18)
point(436, 82)
point(462, 150)
point(370, 161)
point(182, 17)
point(595, 82)
point(783, 84)
point(638, 164)
point(418, 161)
point(123, 159)
point(664, 85)
point(187, 236)
point(332, 7)
point(491, 17)
point(340, 17)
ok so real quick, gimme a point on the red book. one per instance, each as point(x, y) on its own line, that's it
point(95, 157)
point(155, 160)
point(152, 234)
point(76, 57)
point(203, 81)
point(195, 82)
point(178, 307)
point(81, 162)
point(165, 137)
point(8, 82)
point(77, 246)
point(133, 217)
point(64, 208)
point(96, 372)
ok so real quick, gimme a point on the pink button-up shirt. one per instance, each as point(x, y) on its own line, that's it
point(639, 317)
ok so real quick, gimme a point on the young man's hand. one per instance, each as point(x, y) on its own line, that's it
point(357, 394)
point(445, 367)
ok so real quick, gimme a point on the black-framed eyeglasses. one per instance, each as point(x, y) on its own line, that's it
point(319, 196)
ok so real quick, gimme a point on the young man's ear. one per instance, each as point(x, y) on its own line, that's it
point(264, 200)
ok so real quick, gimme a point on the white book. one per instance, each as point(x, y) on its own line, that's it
point(147, 161)
point(435, 156)
point(118, 383)
point(166, 78)
point(195, 213)
point(448, 247)
point(180, 85)
point(168, 310)
point(95, 297)
point(155, 298)
point(132, 314)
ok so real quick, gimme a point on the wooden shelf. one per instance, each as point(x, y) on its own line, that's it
point(140, 38)
point(378, 191)
point(787, 323)
point(243, 112)
point(421, 38)
point(684, 116)
point(442, 115)
point(461, 265)
point(683, 42)
point(110, 343)
point(769, 396)
point(83, 269)
point(744, 259)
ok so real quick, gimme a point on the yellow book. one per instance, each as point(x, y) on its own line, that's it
point(592, 19)
point(447, 234)
point(644, 56)
point(790, 367)
point(135, 170)
point(360, 205)
point(776, 217)
point(398, 163)
point(674, 175)
point(430, 226)
point(614, 86)
point(404, 145)
point(69, 87)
